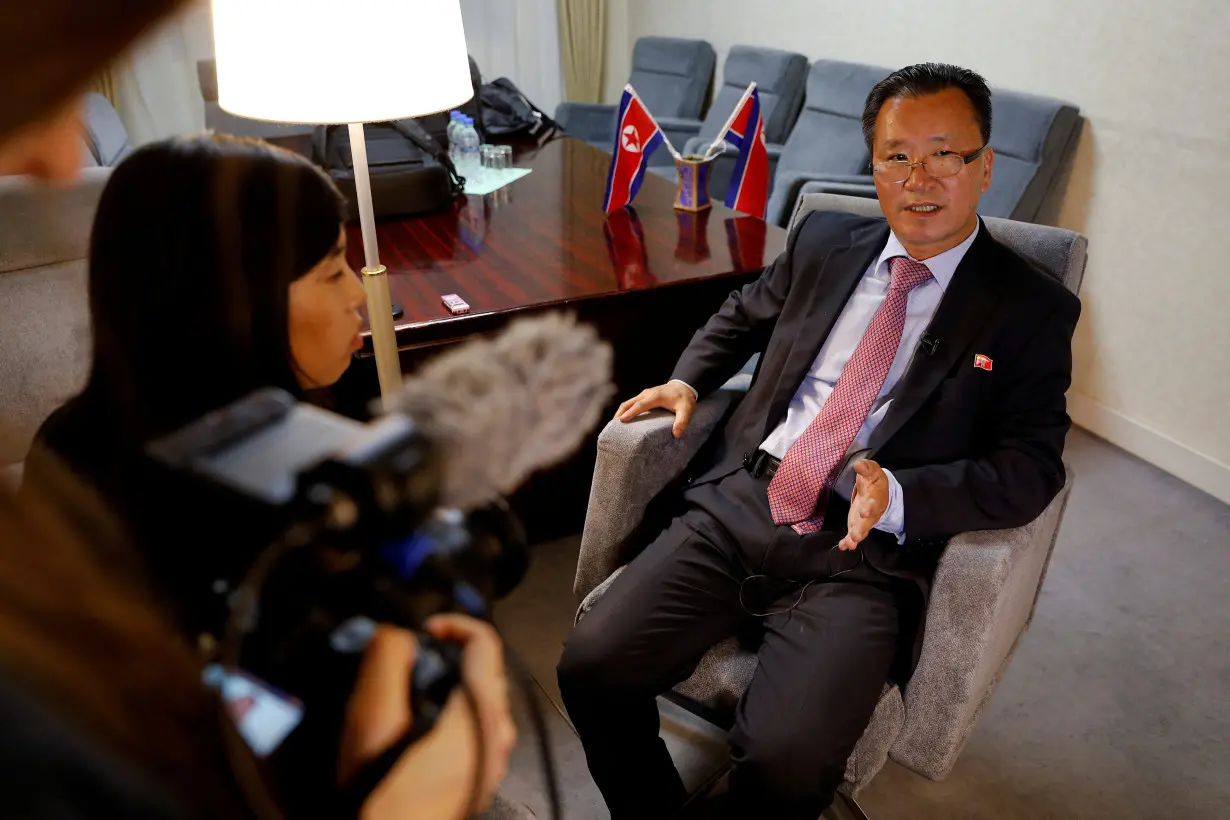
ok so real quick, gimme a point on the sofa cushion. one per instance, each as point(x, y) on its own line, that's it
point(44, 349)
point(45, 334)
point(43, 225)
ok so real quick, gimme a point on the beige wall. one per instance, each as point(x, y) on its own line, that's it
point(1151, 186)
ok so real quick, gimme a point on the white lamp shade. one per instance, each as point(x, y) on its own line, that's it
point(340, 61)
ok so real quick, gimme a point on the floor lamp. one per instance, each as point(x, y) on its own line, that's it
point(330, 62)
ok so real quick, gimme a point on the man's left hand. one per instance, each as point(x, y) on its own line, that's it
point(867, 504)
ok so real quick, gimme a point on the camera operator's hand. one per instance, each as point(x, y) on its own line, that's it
point(435, 777)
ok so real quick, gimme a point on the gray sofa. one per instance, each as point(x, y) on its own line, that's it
point(44, 241)
point(827, 140)
point(673, 77)
point(779, 78)
point(45, 335)
point(984, 588)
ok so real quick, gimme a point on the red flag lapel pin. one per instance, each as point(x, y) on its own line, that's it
point(982, 361)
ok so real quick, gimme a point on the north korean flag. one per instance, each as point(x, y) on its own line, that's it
point(749, 184)
point(637, 136)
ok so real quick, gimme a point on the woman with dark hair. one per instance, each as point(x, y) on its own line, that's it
point(101, 699)
point(217, 266)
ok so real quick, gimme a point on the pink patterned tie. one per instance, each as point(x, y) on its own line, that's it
point(810, 466)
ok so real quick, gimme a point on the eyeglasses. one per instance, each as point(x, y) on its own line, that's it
point(938, 166)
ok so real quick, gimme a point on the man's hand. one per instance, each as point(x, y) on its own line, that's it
point(672, 396)
point(867, 504)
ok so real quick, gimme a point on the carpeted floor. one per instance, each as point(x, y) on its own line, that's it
point(1117, 704)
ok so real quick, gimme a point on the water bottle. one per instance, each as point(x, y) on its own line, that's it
point(470, 165)
point(454, 123)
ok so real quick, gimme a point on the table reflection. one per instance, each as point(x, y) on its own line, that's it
point(745, 239)
point(692, 241)
point(625, 244)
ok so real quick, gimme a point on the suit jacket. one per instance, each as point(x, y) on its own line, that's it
point(971, 448)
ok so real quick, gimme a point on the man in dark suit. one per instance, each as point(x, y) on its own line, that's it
point(910, 387)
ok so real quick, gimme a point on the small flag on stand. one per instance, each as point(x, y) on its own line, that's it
point(749, 183)
point(637, 136)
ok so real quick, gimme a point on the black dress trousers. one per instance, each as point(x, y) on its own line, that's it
point(720, 568)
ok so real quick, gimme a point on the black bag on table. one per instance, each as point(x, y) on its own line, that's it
point(509, 115)
point(410, 172)
point(437, 124)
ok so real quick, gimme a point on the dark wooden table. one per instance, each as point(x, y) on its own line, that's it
point(647, 277)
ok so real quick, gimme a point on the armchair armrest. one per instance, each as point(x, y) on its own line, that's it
point(866, 190)
point(636, 461)
point(592, 122)
point(982, 599)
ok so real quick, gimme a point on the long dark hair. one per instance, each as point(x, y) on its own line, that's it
point(84, 637)
point(195, 244)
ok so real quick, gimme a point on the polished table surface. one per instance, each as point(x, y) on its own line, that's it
point(544, 241)
point(646, 277)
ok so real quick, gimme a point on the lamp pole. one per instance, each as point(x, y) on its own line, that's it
point(375, 275)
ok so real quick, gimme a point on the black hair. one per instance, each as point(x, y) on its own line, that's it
point(928, 78)
point(195, 244)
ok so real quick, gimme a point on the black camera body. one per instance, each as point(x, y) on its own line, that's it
point(354, 538)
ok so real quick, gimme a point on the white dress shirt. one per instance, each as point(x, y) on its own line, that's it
point(847, 332)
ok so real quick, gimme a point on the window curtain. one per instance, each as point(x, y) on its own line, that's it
point(154, 84)
point(104, 83)
point(582, 34)
point(517, 39)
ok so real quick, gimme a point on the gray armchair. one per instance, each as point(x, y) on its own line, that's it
point(106, 137)
point(827, 141)
point(1034, 140)
point(982, 597)
point(779, 78)
point(672, 77)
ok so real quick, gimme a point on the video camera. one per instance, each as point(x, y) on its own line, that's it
point(355, 538)
point(343, 525)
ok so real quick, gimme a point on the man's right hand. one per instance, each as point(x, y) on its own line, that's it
point(673, 396)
